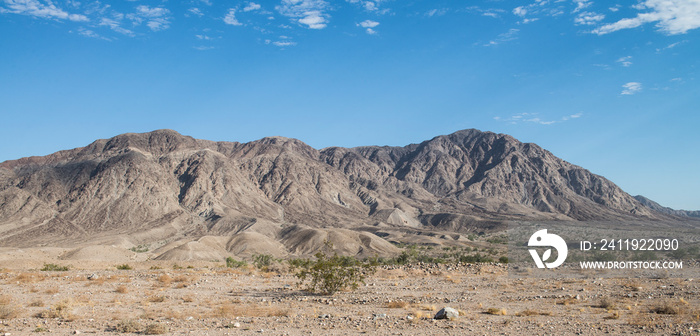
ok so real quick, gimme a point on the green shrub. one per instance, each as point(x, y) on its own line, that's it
point(140, 249)
point(503, 260)
point(124, 267)
point(263, 261)
point(328, 275)
point(233, 263)
point(54, 267)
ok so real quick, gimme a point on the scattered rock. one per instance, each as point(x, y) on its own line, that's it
point(447, 313)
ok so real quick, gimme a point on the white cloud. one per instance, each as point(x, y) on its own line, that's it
point(115, 26)
point(310, 13)
point(535, 119)
point(252, 6)
point(157, 18)
point(370, 6)
point(284, 44)
point(505, 37)
point(436, 12)
point(520, 11)
point(195, 11)
point(38, 9)
point(368, 24)
point(631, 88)
point(671, 16)
point(230, 18)
point(625, 61)
point(581, 4)
point(588, 18)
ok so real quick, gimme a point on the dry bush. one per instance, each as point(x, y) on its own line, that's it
point(29, 277)
point(249, 310)
point(52, 290)
point(568, 301)
point(60, 310)
point(397, 304)
point(156, 298)
point(164, 280)
point(496, 311)
point(121, 289)
point(7, 310)
point(606, 303)
point(188, 298)
point(613, 316)
point(127, 326)
point(531, 312)
point(427, 307)
point(669, 307)
point(36, 303)
point(156, 329)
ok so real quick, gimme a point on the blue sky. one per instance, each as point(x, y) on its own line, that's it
point(610, 86)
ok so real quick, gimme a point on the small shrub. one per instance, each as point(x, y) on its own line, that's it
point(127, 326)
point(606, 303)
point(531, 312)
point(155, 329)
point(398, 304)
point(503, 260)
point(496, 311)
point(54, 267)
point(124, 267)
point(329, 275)
point(140, 249)
point(668, 308)
point(121, 289)
point(233, 263)
point(263, 261)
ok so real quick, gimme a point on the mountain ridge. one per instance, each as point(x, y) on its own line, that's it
point(145, 187)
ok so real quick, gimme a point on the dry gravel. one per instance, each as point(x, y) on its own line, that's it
point(212, 300)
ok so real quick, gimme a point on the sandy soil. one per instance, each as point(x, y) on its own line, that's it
point(209, 299)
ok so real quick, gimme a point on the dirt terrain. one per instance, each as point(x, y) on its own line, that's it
point(206, 298)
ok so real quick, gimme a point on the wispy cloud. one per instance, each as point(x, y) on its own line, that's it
point(671, 16)
point(310, 13)
point(115, 25)
point(157, 18)
point(535, 119)
point(230, 18)
point(436, 12)
point(251, 6)
point(625, 61)
point(282, 44)
point(195, 11)
point(35, 8)
point(510, 35)
point(631, 88)
point(588, 18)
point(371, 6)
point(368, 25)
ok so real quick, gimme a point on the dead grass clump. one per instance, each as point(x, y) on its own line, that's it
point(397, 304)
point(496, 311)
point(606, 303)
point(188, 298)
point(613, 316)
point(156, 298)
point(29, 277)
point(127, 326)
point(61, 310)
point(156, 329)
point(568, 301)
point(532, 312)
point(164, 280)
point(121, 289)
point(52, 290)
point(669, 308)
point(36, 303)
point(7, 310)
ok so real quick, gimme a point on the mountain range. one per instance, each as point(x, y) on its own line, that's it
point(187, 198)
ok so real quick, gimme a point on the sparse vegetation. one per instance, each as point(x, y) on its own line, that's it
point(127, 326)
point(54, 268)
point(233, 263)
point(263, 261)
point(142, 248)
point(496, 311)
point(156, 329)
point(329, 275)
point(124, 267)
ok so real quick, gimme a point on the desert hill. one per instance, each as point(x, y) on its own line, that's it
point(187, 198)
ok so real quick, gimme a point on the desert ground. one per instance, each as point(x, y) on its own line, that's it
point(207, 298)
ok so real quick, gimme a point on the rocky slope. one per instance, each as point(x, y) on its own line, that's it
point(163, 188)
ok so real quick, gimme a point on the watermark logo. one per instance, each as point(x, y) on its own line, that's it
point(543, 239)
